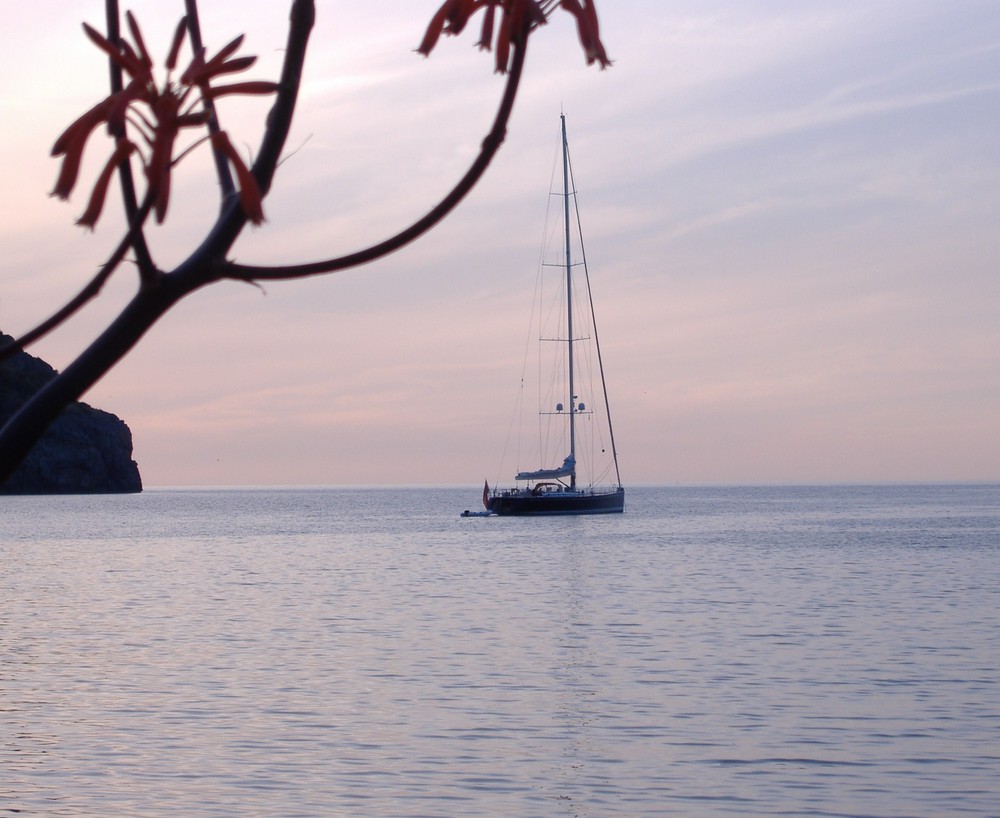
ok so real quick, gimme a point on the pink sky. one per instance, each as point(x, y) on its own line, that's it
point(791, 214)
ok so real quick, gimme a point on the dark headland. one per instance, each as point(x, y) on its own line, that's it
point(86, 451)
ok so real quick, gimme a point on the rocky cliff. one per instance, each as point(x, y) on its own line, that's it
point(86, 451)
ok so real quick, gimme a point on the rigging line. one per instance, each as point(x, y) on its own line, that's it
point(593, 319)
point(550, 312)
point(533, 329)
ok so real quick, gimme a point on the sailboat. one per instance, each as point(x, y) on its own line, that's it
point(556, 487)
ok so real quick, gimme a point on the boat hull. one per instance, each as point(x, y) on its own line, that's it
point(528, 504)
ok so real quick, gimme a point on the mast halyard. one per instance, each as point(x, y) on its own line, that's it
point(569, 306)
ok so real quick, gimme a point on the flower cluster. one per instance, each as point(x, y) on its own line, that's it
point(518, 19)
point(157, 115)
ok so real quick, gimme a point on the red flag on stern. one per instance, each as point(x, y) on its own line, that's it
point(486, 493)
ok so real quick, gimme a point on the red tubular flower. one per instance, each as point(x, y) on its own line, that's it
point(518, 19)
point(100, 192)
point(250, 87)
point(123, 56)
point(251, 199)
point(200, 71)
point(588, 30)
point(71, 143)
point(159, 114)
point(161, 157)
point(487, 34)
point(449, 19)
point(144, 59)
point(175, 45)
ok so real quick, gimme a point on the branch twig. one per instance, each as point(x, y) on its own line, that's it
point(226, 184)
point(129, 199)
point(491, 144)
point(202, 267)
point(90, 291)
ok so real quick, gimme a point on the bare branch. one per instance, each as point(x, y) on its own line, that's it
point(91, 291)
point(491, 144)
point(129, 199)
point(160, 291)
point(202, 267)
point(24, 429)
point(226, 183)
point(279, 122)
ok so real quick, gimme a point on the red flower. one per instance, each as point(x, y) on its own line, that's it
point(250, 196)
point(588, 30)
point(519, 18)
point(71, 143)
point(96, 205)
point(157, 115)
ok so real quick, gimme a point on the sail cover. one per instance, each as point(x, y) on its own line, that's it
point(565, 470)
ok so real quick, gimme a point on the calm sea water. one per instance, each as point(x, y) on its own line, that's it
point(346, 652)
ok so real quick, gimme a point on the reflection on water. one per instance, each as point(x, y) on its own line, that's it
point(369, 653)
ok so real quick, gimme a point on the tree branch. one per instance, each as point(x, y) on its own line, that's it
point(93, 288)
point(222, 170)
point(491, 144)
point(279, 120)
point(159, 292)
point(279, 123)
point(24, 429)
point(202, 267)
point(130, 201)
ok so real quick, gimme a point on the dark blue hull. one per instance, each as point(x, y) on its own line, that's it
point(526, 503)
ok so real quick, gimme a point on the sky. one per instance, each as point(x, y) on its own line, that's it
point(791, 212)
